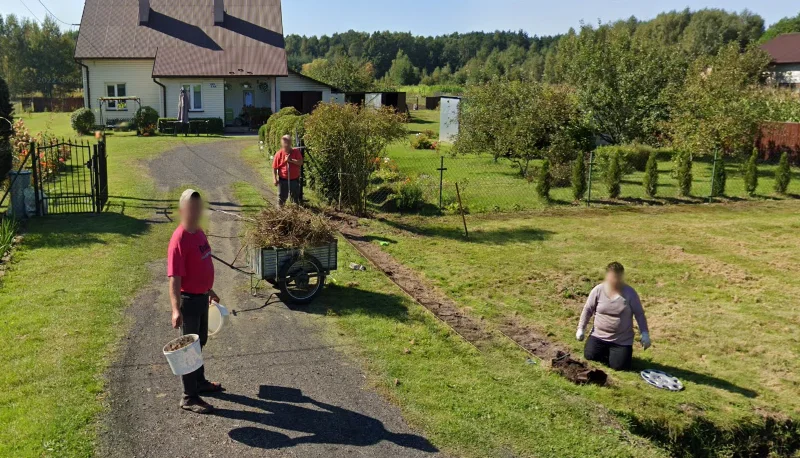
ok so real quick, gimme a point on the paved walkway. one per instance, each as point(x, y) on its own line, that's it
point(289, 393)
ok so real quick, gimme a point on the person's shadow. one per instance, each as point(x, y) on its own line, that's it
point(318, 422)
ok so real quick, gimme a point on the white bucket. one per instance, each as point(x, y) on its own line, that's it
point(217, 318)
point(187, 359)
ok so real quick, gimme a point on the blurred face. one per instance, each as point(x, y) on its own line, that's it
point(287, 144)
point(615, 280)
point(191, 212)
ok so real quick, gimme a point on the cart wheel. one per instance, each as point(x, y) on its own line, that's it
point(301, 280)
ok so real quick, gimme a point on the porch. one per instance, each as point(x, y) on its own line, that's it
point(245, 99)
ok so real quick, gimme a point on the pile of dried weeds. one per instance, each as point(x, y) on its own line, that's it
point(289, 227)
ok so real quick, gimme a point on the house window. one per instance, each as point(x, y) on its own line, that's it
point(195, 92)
point(116, 90)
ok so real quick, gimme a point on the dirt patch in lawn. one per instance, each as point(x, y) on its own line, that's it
point(474, 331)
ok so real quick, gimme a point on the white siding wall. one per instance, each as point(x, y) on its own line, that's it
point(136, 74)
point(213, 97)
point(787, 73)
point(296, 82)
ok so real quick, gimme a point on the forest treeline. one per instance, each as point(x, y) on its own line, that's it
point(397, 58)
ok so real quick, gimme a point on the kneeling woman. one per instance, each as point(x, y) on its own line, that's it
point(613, 305)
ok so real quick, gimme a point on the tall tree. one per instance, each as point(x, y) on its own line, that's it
point(720, 107)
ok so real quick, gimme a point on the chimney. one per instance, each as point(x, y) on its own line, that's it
point(219, 12)
point(144, 11)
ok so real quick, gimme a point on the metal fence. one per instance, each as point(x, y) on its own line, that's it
point(406, 180)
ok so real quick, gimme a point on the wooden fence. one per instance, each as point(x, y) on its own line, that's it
point(52, 104)
point(779, 137)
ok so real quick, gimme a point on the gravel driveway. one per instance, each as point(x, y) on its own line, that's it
point(290, 394)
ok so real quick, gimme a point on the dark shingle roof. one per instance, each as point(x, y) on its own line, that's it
point(784, 49)
point(182, 38)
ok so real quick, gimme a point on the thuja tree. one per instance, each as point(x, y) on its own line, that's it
point(650, 180)
point(720, 177)
point(683, 172)
point(579, 178)
point(613, 176)
point(544, 181)
point(751, 174)
point(346, 143)
point(783, 175)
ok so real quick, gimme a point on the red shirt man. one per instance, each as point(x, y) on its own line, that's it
point(189, 257)
point(285, 169)
point(191, 276)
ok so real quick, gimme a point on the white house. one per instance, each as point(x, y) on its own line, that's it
point(785, 52)
point(227, 53)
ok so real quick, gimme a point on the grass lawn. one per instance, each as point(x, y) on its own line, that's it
point(717, 283)
point(63, 297)
point(469, 403)
point(487, 185)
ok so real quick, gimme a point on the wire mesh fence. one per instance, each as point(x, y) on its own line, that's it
point(406, 180)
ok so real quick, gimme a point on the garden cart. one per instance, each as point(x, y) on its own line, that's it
point(298, 273)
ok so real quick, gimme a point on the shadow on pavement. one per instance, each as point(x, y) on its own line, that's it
point(320, 423)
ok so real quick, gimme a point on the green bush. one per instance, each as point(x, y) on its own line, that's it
point(544, 181)
point(751, 174)
point(146, 119)
point(7, 112)
point(215, 126)
point(8, 229)
point(409, 196)
point(683, 172)
point(783, 175)
point(256, 116)
point(613, 175)
point(579, 178)
point(650, 180)
point(421, 141)
point(82, 121)
point(719, 178)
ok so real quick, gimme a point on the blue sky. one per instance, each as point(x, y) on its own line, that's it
point(436, 17)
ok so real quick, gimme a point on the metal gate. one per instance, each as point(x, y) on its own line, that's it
point(70, 177)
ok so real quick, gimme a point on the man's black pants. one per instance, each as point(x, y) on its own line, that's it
point(194, 310)
point(288, 190)
point(617, 357)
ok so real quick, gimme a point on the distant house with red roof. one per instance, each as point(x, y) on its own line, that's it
point(785, 52)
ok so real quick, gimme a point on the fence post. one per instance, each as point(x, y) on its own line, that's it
point(441, 182)
point(36, 184)
point(713, 177)
point(591, 169)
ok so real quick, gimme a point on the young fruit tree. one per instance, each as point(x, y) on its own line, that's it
point(346, 144)
point(520, 121)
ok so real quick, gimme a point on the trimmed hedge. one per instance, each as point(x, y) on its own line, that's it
point(632, 157)
point(286, 121)
point(215, 125)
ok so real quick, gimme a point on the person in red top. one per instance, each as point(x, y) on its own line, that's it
point(286, 171)
point(191, 276)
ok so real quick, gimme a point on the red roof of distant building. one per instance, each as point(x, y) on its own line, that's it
point(784, 49)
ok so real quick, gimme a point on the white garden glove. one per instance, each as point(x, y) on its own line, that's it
point(580, 335)
point(645, 340)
